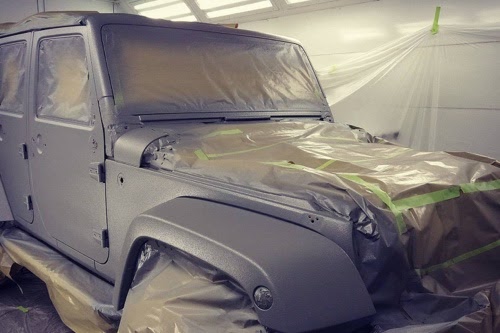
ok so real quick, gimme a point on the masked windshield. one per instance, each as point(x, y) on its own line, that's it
point(165, 70)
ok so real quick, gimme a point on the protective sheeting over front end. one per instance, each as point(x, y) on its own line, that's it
point(427, 222)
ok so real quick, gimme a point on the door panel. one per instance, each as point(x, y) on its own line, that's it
point(14, 168)
point(66, 142)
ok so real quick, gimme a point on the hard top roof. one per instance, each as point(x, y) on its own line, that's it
point(48, 20)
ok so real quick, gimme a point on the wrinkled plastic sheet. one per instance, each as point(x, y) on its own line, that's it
point(427, 231)
point(425, 91)
point(63, 79)
point(154, 70)
point(171, 292)
point(45, 20)
point(12, 76)
point(82, 300)
point(174, 292)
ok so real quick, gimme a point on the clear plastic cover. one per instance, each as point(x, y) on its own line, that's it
point(163, 70)
point(12, 76)
point(426, 91)
point(174, 292)
point(63, 79)
point(427, 223)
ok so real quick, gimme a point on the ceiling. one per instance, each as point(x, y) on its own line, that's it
point(228, 11)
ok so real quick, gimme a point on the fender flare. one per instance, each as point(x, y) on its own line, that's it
point(314, 284)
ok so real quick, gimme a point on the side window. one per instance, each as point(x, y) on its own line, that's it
point(12, 76)
point(63, 79)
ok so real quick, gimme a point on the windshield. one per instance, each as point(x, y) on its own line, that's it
point(157, 70)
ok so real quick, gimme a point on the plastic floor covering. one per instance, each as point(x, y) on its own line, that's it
point(30, 310)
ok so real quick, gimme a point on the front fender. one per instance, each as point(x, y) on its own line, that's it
point(313, 282)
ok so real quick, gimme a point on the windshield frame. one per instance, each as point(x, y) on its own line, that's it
point(320, 110)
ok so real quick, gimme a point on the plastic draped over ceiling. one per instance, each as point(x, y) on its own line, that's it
point(164, 70)
point(426, 91)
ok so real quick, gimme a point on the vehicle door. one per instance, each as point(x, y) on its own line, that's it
point(14, 168)
point(67, 141)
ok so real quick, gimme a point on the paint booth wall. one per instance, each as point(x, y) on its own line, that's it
point(457, 110)
point(16, 10)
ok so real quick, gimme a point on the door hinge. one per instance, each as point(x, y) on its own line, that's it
point(101, 237)
point(23, 151)
point(96, 171)
point(28, 202)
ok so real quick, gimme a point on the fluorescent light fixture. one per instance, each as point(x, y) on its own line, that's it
point(209, 4)
point(189, 18)
point(177, 9)
point(151, 4)
point(240, 9)
point(291, 2)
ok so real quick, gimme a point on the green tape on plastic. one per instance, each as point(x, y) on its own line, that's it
point(224, 132)
point(435, 24)
point(201, 155)
point(428, 198)
point(23, 309)
point(286, 164)
point(205, 156)
point(460, 258)
point(325, 165)
point(382, 196)
point(481, 186)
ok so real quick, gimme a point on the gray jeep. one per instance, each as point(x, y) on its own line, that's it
point(119, 129)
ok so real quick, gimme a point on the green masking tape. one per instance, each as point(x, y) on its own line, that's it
point(382, 196)
point(428, 198)
point(435, 24)
point(23, 309)
point(325, 165)
point(481, 186)
point(224, 132)
point(459, 259)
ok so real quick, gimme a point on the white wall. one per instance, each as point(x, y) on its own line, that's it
point(16, 10)
point(335, 34)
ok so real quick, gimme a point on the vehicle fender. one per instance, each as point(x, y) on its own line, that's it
point(5, 212)
point(314, 284)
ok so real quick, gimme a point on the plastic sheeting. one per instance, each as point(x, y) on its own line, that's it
point(12, 76)
point(425, 91)
point(427, 235)
point(45, 20)
point(63, 79)
point(82, 300)
point(174, 292)
point(171, 292)
point(154, 70)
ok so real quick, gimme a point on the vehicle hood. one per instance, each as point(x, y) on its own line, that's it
point(432, 215)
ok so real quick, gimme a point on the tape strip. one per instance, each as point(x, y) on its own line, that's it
point(224, 132)
point(435, 24)
point(382, 196)
point(480, 187)
point(325, 165)
point(459, 259)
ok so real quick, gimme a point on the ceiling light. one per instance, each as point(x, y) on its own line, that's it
point(240, 9)
point(189, 18)
point(209, 4)
point(151, 4)
point(291, 2)
point(167, 11)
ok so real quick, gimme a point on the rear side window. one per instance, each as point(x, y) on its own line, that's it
point(12, 76)
point(63, 79)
